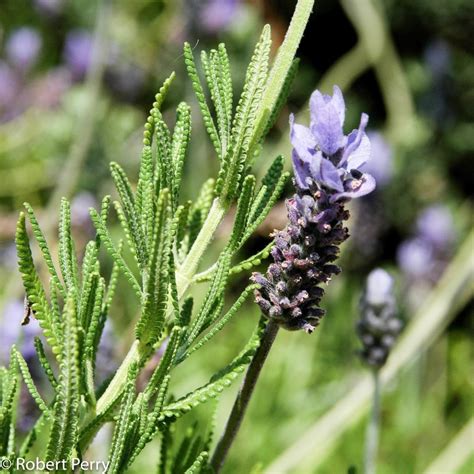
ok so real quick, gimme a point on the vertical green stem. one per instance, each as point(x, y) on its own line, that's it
point(372, 435)
point(189, 267)
point(281, 66)
point(244, 395)
point(118, 382)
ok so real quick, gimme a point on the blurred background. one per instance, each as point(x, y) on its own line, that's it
point(77, 78)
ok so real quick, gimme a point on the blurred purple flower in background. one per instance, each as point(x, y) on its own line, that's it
point(423, 257)
point(78, 52)
point(80, 208)
point(435, 225)
point(8, 85)
point(23, 47)
point(415, 258)
point(12, 332)
point(381, 168)
point(217, 15)
point(8, 256)
point(80, 218)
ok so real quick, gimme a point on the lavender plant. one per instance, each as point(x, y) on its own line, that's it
point(163, 243)
point(377, 328)
point(327, 168)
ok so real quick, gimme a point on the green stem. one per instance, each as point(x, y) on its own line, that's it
point(244, 395)
point(189, 267)
point(372, 435)
point(284, 59)
point(118, 382)
point(183, 279)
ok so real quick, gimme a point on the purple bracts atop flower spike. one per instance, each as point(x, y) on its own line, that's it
point(324, 154)
point(326, 165)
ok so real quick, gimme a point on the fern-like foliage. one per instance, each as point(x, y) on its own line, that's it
point(164, 240)
point(64, 429)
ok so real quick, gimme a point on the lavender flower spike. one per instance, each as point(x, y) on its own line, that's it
point(379, 325)
point(327, 175)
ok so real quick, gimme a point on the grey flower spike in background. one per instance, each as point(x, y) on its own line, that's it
point(378, 329)
point(379, 324)
point(327, 175)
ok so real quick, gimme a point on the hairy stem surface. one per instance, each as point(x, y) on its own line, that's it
point(286, 54)
point(244, 395)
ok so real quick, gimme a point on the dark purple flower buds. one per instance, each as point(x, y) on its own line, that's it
point(303, 255)
point(379, 325)
point(327, 173)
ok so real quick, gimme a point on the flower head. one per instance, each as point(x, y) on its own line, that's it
point(327, 175)
point(323, 153)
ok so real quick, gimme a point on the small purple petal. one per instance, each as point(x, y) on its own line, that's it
point(315, 166)
point(330, 176)
point(360, 155)
point(327, 118)
point(319, 100)
point(301, 170)
point(326, 216)
point(355, 188)
point(338, 101)
point(302, 140)
point(355, 138)
point(328, 131)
